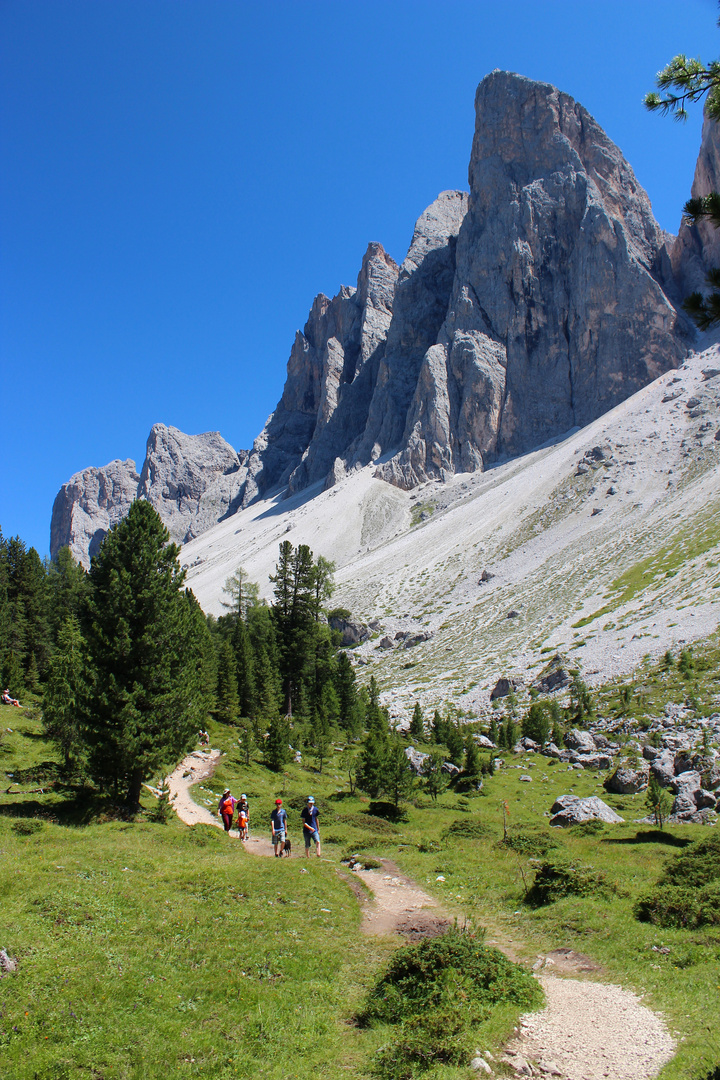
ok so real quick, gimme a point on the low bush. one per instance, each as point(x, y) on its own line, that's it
point(555, 879)
point(369, 822)
point(676, 905)
point(687, 893)
point(465, 830)
point(387, 811)
point(588, 828)
point(26, 827)
point(437, 991)
point(533, 842)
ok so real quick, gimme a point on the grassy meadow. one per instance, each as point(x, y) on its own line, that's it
point(150, 950)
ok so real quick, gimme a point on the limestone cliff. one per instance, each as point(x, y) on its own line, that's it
point(531, 305)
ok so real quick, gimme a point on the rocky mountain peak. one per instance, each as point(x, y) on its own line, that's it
point(525, 308)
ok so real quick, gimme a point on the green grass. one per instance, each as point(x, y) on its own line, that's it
point(171, 944)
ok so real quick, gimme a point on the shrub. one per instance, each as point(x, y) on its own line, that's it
point(537, 723)
point(588, 828)
point(532, 842)
point(437, 992)
point(557, 879)
point(674, 905)
point(465, 830)
point(442, 972)
point(687, 893)
point(26, 827)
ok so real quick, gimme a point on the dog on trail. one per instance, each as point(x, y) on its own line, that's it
point(287, 847)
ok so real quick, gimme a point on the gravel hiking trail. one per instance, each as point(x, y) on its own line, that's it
point(588, 1030)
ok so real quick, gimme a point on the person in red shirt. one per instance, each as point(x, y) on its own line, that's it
point(226, 809)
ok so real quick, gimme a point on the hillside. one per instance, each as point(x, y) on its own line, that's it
point(608, 555)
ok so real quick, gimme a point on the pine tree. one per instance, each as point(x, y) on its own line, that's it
point(67, 585)
point(435, 780)
point(494, 732)
point(246, 738)
point(66, 687)
point(146, 699)
point(294, 614)
point(471, 766)
point(244, 668)
point(227, 700)
point(397, 778)
point(417, 724)
point(277, 744)
point(349, 705)
point(374, 751)
point(454, 742)
point(438, 729)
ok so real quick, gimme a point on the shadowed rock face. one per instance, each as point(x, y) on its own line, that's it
point(192, 481)
point(557, 312)
point(528, 307)
point(697, 248)
point(88, 505)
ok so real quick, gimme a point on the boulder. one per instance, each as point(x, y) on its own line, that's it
point(627, 781)
point(386, 643)
point(596, 761)
point(582, 741)
point(553, 676)
point(450, 769)
point(572, 810)
point(417, 759)
point(417, 639)
point(352, 633)
point(504, 686)
point(686, 781)
point(484, 743)
point(663, 768)
point(704, 799)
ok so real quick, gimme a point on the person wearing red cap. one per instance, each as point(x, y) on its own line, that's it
point(278, 827)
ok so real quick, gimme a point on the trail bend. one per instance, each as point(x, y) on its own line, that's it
point(588, 1030)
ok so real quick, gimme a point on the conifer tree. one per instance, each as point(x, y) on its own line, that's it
point(64, 693)
point(146, 696)
point(417, 724)
point(396, 777)
point(348, 703)
point(472, 763)
point(277, 744)
point(454, 742)
point(438, 728)
point(226, 708)
point(435, 780)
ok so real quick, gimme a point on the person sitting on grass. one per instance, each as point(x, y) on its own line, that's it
point(278, 827)
point(310, 819)
point(7, 700)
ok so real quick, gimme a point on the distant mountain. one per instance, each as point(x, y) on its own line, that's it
point(530, 306)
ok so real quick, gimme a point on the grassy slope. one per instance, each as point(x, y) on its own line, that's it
point(199, 951)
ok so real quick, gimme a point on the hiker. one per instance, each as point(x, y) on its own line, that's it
point(204, 738)
point(310, 820)
point(278, 827)
point(242, 818)
point(7, 700)
point(226, 809)
point(244, 811)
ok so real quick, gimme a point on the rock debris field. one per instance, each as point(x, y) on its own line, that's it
point(587, 1031)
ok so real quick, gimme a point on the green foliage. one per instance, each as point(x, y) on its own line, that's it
point(538, 721)
point(658, 800)
point(435, 780)
point(472, 763)
point(417, 724)
point(146, 695)
point(437, 992)
point(582, 707)
point(66, 688)
point(277, 743)
point(556, 879)
point(467, 829)
point(163, 811)
point(534, 842)
point(227, 699)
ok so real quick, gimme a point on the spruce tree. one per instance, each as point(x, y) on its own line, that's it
point(417, 724)
point(64, 693)
point(146, 698)
point(349, 706)
point(435, 779)
point(454, 742)
point(277, 744)
point(396, 777)
point(227, 700)
point(472, 763)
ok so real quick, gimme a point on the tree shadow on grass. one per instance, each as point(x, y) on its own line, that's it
point(650, 836)
point(69, 806)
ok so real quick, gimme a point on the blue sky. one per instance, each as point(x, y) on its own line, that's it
point(179, 179)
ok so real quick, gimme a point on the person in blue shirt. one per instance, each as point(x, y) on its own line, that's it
point(278, 827)
point(310, 820)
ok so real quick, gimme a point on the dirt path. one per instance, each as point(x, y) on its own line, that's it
point(587, 1030)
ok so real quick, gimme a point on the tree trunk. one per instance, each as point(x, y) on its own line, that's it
point(134, 788)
